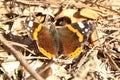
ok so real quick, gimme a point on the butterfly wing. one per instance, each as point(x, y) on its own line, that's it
point(71, 46)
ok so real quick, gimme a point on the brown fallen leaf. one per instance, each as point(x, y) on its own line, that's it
point(89, 13)
point(72, 14)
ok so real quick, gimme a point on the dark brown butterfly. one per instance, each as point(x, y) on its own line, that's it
point(67, 40)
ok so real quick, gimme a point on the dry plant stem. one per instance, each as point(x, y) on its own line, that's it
point(37, 3)
point(20, 58)
point(105, 7)
point(113, 62)
point(43, 68)
point(5, 21)
point(24, 47)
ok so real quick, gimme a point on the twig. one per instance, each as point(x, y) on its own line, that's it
point(19, 57)
point(25, 47)
point(113, 62)
point(26, 58)
point(105, 7)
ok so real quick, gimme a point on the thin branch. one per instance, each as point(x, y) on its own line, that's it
point(19, 57)
point(113, 62)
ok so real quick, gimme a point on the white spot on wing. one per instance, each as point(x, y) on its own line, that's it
point(30, 24)
point(83, 32)
point(86, 30)
point(81, 25)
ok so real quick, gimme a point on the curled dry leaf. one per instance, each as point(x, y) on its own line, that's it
point(94, 38)
point(17, 26)
point(89, 13)
point(78, 16)
point(72, 14)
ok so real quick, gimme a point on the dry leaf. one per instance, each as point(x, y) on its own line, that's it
point(17, 26)
point(72, 14)
point(89, 13)
point(9, 67)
